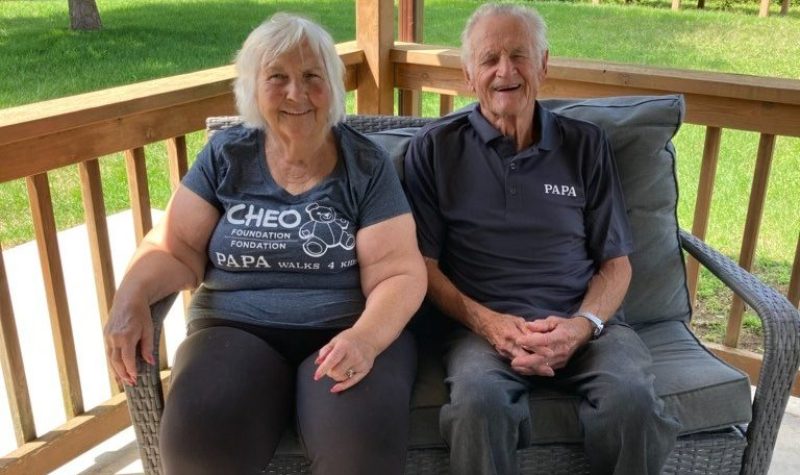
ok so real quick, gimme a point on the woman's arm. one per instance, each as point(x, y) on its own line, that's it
point(393, 278)
point(171, 257)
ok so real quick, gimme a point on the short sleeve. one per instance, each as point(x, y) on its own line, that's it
point(607, 228)
point(203, 177)
point(384, 198)
point(420, 183)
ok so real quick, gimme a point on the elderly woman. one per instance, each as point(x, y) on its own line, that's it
point(298, 234)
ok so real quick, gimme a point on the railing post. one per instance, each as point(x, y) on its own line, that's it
point(375, 36)
point(755, 210)
point(409, 18)
point(702, 207)
point(19, 400)
point(794, 282)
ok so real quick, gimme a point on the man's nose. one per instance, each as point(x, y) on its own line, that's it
point(505, 67)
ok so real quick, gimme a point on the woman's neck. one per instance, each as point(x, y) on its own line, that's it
point(298, 165)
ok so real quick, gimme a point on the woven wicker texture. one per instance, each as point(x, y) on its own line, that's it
point(724, 452)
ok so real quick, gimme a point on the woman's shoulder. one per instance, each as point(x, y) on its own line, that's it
point(358, 150)
point(234, 139)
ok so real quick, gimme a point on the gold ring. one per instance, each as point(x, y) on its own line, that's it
point(350, 373)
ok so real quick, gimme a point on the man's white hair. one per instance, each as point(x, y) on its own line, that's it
point(536, 27)
point(279, 34)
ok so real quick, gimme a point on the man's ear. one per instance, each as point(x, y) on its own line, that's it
point(467, 78)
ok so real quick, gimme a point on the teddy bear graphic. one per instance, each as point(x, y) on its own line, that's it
point(324, 231)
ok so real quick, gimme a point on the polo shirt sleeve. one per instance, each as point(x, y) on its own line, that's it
point(204, 176)
point(607, 228)
point(420, 185)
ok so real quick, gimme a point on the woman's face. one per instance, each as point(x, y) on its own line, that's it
point(293, 94)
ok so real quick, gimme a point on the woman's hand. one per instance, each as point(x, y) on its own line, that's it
point(346, 359)
point(129, 327)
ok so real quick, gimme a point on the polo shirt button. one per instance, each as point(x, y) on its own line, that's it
point(513, 190)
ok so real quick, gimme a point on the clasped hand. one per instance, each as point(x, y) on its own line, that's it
point(346, 359)
point(539, 347)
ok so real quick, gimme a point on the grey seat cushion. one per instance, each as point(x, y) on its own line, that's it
point(703, 392)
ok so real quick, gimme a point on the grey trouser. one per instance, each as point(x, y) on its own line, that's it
point(236, 386)
point(625, 428)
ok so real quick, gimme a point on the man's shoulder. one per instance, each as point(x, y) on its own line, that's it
point(447, 125)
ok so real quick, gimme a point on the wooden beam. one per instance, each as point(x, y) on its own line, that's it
point(139, 192)
point(44, 226)
point(702, 207)
point(712, 84)
point(178, 160)
point(794, 282)
point(19, 400)
point(99, 244)
point(91, 140)
point(375, 35)
point(60, 146)
point(409, 18)
point(445, 104)
point(755, 211)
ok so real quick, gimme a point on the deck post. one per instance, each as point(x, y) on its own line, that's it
point(409, 28)
point(375, 36)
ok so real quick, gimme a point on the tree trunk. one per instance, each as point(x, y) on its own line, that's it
point(83, 15)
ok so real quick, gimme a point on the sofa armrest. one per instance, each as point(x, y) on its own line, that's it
point(781, 324)
point(146, 398)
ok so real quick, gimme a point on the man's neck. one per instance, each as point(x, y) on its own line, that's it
point(522, 130)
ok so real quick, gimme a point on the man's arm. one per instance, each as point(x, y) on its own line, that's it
point(502, 330)
point(564, 336)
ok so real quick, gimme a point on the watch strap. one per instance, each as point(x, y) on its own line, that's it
point(595, 321)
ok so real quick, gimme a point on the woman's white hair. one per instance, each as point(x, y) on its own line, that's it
point(536, 27)
point(279, 34)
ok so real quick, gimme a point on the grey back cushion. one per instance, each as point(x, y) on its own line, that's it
point(640, 129)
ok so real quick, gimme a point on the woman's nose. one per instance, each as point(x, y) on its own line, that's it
point(295, 89)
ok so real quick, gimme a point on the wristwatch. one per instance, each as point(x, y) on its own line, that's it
point(594, 319)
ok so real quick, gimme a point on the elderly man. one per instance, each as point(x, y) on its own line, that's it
point(522, 222)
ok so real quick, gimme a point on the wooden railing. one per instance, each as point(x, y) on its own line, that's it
point(76, 131)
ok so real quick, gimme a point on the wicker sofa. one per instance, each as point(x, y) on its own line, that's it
point(723, 430)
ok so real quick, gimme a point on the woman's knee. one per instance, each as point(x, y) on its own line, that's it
point(229, 402)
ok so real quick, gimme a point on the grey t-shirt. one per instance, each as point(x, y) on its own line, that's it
point(286, 260)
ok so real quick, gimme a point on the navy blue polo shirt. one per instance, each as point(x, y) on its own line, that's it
point(520, 232)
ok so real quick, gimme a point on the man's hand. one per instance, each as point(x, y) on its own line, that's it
point(550, 343)
point(503, 331)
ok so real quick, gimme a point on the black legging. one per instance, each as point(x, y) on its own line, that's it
point(234, 387)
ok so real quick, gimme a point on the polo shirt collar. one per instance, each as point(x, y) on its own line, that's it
point(544, 121)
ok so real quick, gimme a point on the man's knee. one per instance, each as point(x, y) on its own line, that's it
point(475, 399)
point(631, 401)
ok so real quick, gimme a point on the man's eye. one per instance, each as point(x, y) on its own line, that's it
point(276, 77)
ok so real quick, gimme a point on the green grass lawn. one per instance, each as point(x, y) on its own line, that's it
point(143, 39)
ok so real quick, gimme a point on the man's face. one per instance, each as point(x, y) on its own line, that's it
point(504, 69)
